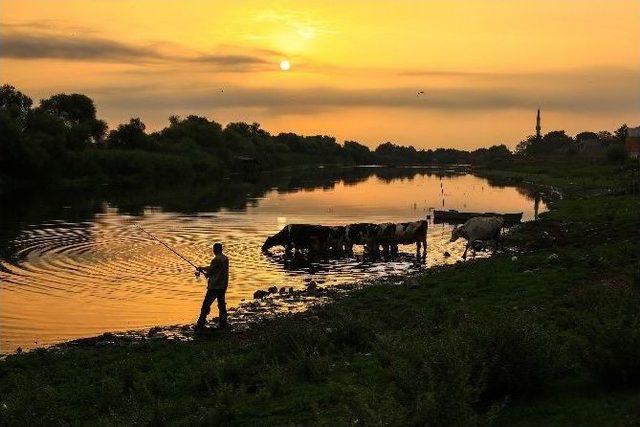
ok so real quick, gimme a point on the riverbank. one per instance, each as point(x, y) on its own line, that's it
point(547, 336)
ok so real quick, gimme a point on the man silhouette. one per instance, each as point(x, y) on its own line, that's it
point(218, 279)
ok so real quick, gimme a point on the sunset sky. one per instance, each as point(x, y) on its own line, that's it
point(356, 66)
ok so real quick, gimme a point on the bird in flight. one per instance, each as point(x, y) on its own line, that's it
point(420, 93)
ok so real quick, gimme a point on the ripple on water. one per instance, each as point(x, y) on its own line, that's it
point(111, 259)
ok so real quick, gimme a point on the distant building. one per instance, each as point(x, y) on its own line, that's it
point(632, 142)
point(538, 128)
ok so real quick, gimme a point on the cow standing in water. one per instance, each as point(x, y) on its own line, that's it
point(337, 239)
point(320, 239)
point(388, 236)
point(404, 233)
point(478, 228)
point(363, 233)
point(317, 239)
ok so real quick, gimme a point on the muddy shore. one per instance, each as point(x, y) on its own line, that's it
point(279, 303)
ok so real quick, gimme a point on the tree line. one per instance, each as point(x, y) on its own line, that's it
point(602, 144)
point(62, 138)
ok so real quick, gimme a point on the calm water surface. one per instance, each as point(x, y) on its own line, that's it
point(72, 264)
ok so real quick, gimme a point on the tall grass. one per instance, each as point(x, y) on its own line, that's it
point(609, 328)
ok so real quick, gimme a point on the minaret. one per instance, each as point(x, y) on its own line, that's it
point(538, 135)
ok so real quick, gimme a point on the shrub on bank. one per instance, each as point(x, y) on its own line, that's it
point(464, 374)
point(518, 356)
point(609, 328)
point(434, 379)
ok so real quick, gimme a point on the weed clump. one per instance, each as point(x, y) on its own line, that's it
point(609, 328)
point(518, 356)
point(462, 375)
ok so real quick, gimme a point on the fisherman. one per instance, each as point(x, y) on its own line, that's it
point(218, 279)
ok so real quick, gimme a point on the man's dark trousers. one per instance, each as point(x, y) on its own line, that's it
point(210, 296)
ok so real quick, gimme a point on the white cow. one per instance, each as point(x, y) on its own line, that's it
point(478, 228)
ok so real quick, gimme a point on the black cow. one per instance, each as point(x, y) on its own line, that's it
point(315, 238)
point(363, 233)
point(337, 239)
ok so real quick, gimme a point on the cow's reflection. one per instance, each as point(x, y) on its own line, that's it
point(316, 263)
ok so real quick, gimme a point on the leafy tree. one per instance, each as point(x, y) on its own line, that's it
point(205, 133)
point(450, 156)
point(553, 142)
point(15, 104)
point(72, 109)
point(358, 153)
point(586, 136)
point(244, 138)
point(129, 136)
point(21, 154)
point(78, 113)
point(557, 139)
point(606, 136)
point(322, 145)
point(621, 132)
point(395, 154)
point(292, 140)
point(523, 146)
point(495, 153)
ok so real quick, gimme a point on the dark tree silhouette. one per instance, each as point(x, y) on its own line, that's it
point(194, 130)
point(358, 153)
point(129, 136)
point(586, 136)
point(63, 139)
point(78, 113)
point(14, 103)
point(606, 136)
point(621, 132)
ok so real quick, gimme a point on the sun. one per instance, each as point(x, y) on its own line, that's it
point(285, 65)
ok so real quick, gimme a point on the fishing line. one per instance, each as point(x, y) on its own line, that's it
point(167, 246)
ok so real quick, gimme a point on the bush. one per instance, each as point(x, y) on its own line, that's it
point(435, 379)
point(371, 407)
point(292, 336)
point(464, 374)
point(350, 332)
point(276, 380)
point(609, 327)
point(518, 356)
point(211, 374)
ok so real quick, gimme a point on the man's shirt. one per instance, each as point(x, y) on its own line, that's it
point(218, 272)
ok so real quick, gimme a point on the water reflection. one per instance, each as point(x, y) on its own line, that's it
point(72, 264)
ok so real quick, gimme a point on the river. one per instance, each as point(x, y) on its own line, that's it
point(73, 264)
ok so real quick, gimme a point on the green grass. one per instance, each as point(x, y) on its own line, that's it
point(539, 340)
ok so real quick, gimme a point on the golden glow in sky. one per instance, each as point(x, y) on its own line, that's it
point(354, 67)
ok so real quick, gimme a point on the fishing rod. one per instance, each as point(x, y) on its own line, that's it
point(168, 247)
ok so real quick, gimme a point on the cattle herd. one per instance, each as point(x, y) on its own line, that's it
point(321, 239)
point(376, 238)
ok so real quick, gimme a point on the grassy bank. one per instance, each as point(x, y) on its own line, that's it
point(548, 336)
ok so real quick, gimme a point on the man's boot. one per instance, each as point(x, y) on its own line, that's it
point(200, 324)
